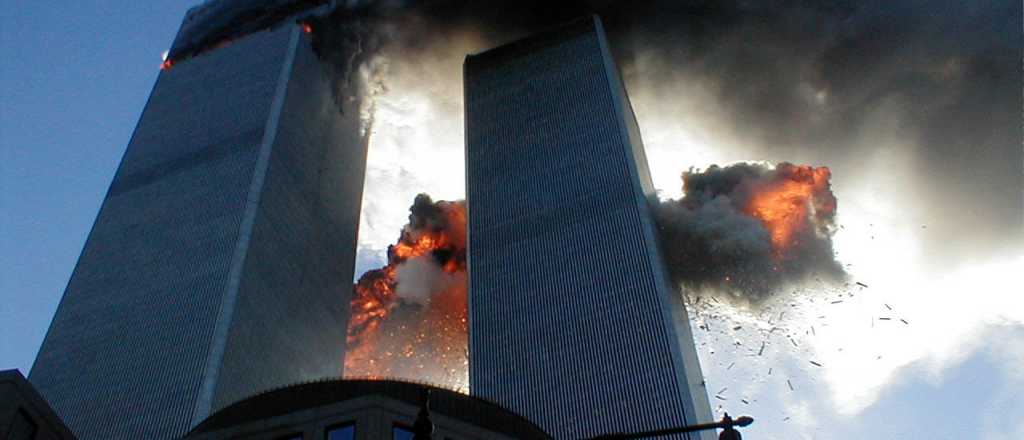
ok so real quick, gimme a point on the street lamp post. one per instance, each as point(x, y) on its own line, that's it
point(727, 424)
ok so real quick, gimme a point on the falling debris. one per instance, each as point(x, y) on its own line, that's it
point(730, 366)
point(769, 371)
point(904, 321)
point(837, 301)
point(815, 363)
point(794, 342)
point(720, 397)
point(790, 385)
point(745, 401)
point(722, 390)
point(884, 319)
point(861, 284)
point(812, 331)
point(887, 306)
point(737, 327)
point(785, 419)
point(761, 351)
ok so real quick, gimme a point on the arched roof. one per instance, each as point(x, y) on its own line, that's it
point(472, 410)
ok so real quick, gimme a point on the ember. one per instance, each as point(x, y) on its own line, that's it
point(416, 330)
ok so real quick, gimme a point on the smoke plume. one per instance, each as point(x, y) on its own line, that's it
point(749, 228)
point(917, 100)
point(408, 318)
point(914, 104)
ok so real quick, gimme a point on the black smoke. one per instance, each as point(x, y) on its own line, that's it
point(217, 22)
point(916, 101)
point(916, 104)
point(712, 240)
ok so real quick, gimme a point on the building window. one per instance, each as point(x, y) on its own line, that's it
point(23, 428)
point(342, 432)
point(401, 433)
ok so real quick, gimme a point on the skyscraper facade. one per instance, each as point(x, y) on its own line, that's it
point(221, 259)
point(573, 321)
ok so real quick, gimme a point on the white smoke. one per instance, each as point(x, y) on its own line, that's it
point(419, 278)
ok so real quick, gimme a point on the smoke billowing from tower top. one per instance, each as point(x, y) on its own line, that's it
point(836, 83)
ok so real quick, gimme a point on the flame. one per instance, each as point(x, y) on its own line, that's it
point(389, 337)
point(797, 198)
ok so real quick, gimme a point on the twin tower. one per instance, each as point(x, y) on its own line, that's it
point(221, 262)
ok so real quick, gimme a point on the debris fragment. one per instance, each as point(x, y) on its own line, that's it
point(861, 284)
point(720, 397)
point(745, 401)
point(722, 390)
point(887, 306)
point(837, 301)
point(794, 342)
point(761, 351)
point(737, 327)
point(730, 366)
point(812, 331)
point(769, 371)
point(815, 363)
point(790, 385)
point(904, 321)
point(787, 418)
point(884, 319)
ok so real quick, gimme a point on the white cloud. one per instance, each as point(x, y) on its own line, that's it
point(417, 146)
point(417, 141)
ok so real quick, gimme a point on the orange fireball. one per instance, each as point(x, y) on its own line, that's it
point(784, 205)
point(387, 338)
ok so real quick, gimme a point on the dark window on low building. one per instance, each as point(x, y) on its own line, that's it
point(22, 427)
point(401, 433)
point(342, 432)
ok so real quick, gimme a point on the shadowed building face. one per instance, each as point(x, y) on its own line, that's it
point(573, 322)
point(220, 262)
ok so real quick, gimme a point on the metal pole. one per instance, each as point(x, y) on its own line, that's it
point(726, 423)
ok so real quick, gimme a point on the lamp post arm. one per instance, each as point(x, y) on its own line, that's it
point(726, 423)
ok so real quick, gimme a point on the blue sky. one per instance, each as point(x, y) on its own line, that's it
point(74, 82)
point(75, 78)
